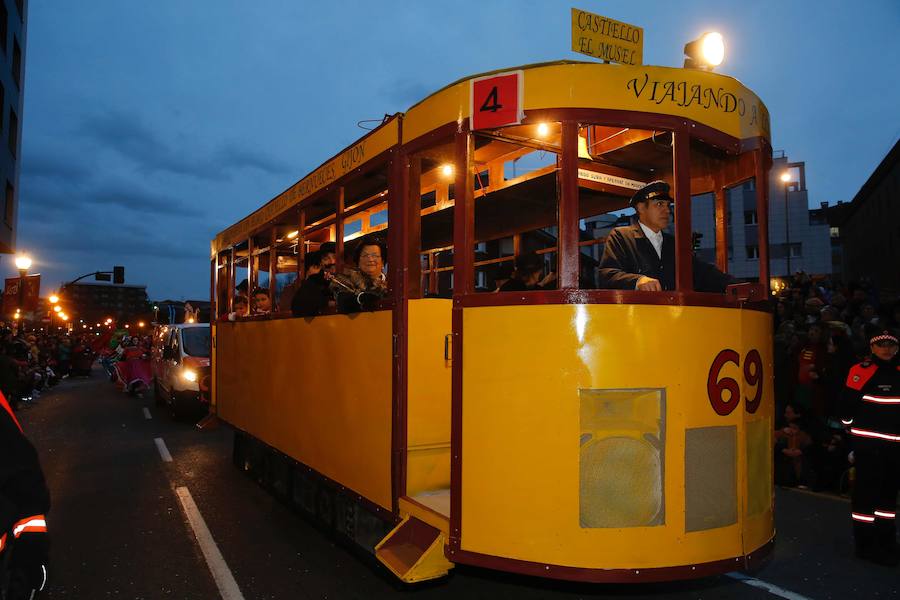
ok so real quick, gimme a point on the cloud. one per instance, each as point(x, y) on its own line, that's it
point(404, 93)
point(52, 165)
point(127, 135)
point(234, 156)
point(141, 201)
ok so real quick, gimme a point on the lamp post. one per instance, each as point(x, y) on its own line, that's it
point(23, 263)
point(54, 302)
point(786, 178)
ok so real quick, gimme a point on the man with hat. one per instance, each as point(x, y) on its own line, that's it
point(641, 256)
point(870, 409)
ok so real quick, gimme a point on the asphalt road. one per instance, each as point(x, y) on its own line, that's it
point(119, 529)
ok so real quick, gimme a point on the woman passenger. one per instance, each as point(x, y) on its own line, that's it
point(360, 288)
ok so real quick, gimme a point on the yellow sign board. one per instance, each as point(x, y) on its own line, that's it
point(607, 39)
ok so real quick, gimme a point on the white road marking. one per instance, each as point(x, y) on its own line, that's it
point(763, 585)
point(163, 451)
point(147, 413)
point(228, 587)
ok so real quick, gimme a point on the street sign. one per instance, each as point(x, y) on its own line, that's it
point(496, 100)
point(30, 293)
point(607, 39)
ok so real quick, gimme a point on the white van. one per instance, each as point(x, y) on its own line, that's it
point(180, 360)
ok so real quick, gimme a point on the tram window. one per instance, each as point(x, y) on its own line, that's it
point(614, 162)
point(285, 266)
point(260, 263)
point(432, 172)
point(703, 226)
point(516, 206)
point(740, 200)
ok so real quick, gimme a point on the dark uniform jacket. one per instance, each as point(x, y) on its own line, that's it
point(870, 404)
point(629, 255)
point(23, 492)
point(312, 297)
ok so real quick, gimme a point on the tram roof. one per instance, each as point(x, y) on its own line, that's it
point(717, 101)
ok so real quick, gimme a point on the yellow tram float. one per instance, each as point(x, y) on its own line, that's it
point(571, 432)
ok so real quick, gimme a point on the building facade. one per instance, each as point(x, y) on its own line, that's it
point(13, 16)
point(870, 231)
point(96, 302)
point(798, 239)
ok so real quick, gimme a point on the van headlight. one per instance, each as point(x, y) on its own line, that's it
point(189, 375)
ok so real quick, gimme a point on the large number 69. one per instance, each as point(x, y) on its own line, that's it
point(715, 387)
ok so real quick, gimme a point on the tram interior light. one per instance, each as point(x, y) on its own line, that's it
point(447, 170)
point(290, 236)
point(189, 375)
point(706, 52)
point(543, 129)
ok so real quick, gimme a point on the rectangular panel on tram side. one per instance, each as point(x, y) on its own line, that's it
point(522, 445)
point(318, 390)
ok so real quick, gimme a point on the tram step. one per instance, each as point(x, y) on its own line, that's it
point(414, 551)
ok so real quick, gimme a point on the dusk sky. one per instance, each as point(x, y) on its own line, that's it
point(150, 126)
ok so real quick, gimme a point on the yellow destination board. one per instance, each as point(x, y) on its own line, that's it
point(607, 39)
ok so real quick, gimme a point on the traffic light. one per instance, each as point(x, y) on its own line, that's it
point(118, 274)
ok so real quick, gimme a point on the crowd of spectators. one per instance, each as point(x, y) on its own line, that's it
point(820, 333)
point(33, 361)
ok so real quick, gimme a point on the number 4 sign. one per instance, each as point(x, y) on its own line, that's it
point(496, 100)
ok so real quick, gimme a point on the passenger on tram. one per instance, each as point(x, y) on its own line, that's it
point(528, 275)
point(361, 288)
point(329, 259)
point(240, 308)
point(241, 290)
point(314, 294)
point(504, 274)
point(261, 302)
point(641, 256)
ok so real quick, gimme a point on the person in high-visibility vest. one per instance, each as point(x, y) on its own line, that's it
point(870, 409)
point(24, 503)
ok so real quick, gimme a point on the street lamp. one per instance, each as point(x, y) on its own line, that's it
point(786, 179)
point(23, 263)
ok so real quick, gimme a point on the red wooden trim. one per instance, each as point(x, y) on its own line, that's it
point(763, 162)
point(301, 245)
point(339, 231)
point(669, 298)
point(213, 284)
point(464, 216)
point(456, 408)
point(623, 118)
point(568, 254)
point(398, 241)
point(439, 134)
point(273, 270)
point(721, 224)
point(232, 279)
point(412, 179)
point(252, 269)
point(751, 561)
point(684, 268)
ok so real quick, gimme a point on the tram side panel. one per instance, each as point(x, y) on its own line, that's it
point(589, 440)
point(318, 390)
point(758, 411)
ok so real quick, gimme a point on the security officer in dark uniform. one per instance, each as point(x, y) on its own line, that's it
point(24, 503)
point(641, 256)
point(870, 409)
